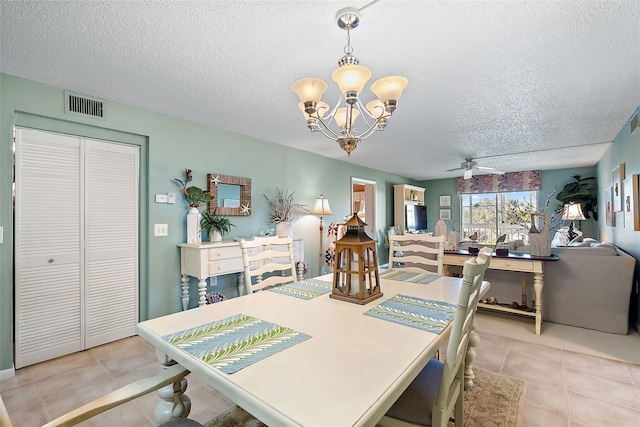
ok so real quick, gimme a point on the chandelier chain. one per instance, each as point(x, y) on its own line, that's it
point(348, 49)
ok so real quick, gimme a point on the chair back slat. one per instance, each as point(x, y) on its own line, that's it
point(416, 252)
point(453, 370)
point(268, 261)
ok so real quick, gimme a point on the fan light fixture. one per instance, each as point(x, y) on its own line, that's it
point(351, 79)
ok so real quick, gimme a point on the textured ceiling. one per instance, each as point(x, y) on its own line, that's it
point(490, 80)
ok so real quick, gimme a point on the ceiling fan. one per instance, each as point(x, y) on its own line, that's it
point(469, 165)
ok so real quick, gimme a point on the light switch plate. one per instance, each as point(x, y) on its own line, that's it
point(161, 230)
point(171, 198)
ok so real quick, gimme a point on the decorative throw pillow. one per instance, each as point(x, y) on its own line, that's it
point(561, 238)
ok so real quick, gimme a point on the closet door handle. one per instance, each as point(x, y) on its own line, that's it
point(50, 260)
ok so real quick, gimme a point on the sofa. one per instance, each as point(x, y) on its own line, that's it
point(589, 286)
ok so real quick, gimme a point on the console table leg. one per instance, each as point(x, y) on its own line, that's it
point(185, 292)
point(202, 290)
point(538, 284)
point(240, 284)
point(173, 402)
point(474, 340)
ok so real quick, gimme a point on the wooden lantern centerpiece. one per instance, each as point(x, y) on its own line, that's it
point(355, 275)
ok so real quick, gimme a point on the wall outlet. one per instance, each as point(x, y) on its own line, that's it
point(161, 230)
point(161, 198)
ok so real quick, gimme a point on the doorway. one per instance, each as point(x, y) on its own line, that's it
point(363, 202)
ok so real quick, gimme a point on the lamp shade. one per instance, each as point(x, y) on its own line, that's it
point(389, 88)
point(309, 89)
point(341, 116)
point(351, 78)
point(321, 207)
point(377, 110)
point(572, 212)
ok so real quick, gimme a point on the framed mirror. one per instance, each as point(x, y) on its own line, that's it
point(231, 194)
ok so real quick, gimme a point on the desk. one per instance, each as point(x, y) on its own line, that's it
point(513, 262)
point(349, 373)
point(216, 259)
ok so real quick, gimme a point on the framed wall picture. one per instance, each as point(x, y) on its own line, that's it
point(445, 214)
point(609, 214)
point(617, 177)
point(630, 206)
point(445, 200)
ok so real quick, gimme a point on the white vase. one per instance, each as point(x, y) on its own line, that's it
point(284, 229)
point(194, 232)
point(215, 236)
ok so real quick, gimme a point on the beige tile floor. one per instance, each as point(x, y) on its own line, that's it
point(565, 387)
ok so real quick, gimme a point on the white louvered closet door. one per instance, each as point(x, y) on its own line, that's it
point(76, 244)
point(111, 250)
point(48, 249)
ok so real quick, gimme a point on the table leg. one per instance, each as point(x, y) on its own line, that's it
point(202, 290)
point(240, 284)
point(445, 270)
point(474, 340)
point(185, 292)
point(538, 284)
point(173, 402)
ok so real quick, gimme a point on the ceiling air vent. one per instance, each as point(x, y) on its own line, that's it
point(84, 105)
point(634, 123)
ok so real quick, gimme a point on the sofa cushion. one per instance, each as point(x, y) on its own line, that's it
point(605, 250)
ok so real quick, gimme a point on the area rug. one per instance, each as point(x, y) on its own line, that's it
point(495, 400)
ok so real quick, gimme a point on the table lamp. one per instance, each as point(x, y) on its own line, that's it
point(572, 212)
point(321, 208)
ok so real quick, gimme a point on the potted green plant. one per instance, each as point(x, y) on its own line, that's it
point(194, 195)
point(216, 226)
point(282, 211)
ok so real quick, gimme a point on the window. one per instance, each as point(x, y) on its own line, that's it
point(494, 214)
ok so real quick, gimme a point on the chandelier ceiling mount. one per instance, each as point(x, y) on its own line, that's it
point(351, 77)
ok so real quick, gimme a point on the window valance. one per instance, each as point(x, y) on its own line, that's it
point(510, 181)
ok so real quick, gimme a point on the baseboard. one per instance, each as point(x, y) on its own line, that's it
point(7, 373)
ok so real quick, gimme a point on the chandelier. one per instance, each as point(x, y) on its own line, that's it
point(351, 79)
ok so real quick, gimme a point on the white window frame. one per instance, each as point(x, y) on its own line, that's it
point(489, 232)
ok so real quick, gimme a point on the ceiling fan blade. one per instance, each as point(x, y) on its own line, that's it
point(455, 169)
point(490, 170)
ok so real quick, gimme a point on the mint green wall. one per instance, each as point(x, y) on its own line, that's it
point(169, 146)
point(625, 149)
point(549, 180)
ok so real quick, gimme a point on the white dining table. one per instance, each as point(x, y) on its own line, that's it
point(348, 373)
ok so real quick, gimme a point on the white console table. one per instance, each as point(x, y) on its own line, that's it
point(206, 260)
point(523, 262)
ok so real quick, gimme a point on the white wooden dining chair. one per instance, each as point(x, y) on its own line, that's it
point(267, 261)
point(171, 375)
point(437, 392)
point(416, 252)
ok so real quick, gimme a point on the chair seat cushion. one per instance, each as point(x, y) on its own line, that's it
point(416, 403)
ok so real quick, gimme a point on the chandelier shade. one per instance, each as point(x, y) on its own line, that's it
point(342, 119)
point(389, 88)
point(310, 89)
point(351, 79)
